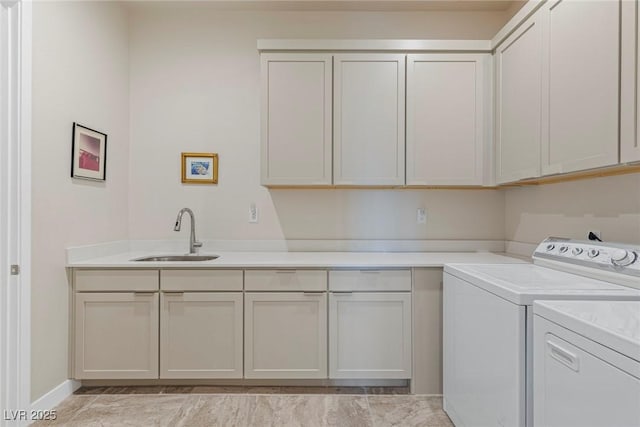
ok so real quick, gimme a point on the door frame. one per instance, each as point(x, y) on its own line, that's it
point(15, 216)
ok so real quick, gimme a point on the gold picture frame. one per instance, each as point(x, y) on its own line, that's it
point(199, 168)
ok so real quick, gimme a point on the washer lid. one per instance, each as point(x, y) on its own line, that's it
point(614, 324)
point(524, 283)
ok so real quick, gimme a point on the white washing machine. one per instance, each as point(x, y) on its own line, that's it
point(488, 322)
point(586, 363)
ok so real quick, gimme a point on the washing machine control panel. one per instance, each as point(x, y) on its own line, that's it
point(618, 257)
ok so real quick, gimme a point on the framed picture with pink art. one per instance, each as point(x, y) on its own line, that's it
point(88, 153)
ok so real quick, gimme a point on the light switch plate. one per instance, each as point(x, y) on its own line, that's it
point(253, 213)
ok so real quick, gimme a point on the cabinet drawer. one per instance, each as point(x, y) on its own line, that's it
point(370, 280)
point(285, 280)
point(116, 280)
point(201, 280)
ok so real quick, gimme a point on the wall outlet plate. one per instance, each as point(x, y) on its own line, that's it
point(421, 216)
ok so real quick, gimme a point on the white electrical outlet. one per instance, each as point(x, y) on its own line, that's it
point(253, 213)
point(421, 216)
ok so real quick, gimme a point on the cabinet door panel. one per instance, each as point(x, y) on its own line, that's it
point(369, 119)
point(201, 335)
point(582, 75)
point(285, 335)
point(370, 335)
point(296, 119)
point(518, 94)
point(629, 83)
point(116, 335)
point(445, 115)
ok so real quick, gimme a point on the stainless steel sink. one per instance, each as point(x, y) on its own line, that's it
point(184, 258)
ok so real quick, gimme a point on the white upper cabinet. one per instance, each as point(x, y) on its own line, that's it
point(580, 77)
point(446, 95)
point(630, 83)
point(296, 119)
point(518, 102)
point(368, 119)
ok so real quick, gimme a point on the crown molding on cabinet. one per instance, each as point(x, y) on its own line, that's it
point(527, 10)
point(335, 45)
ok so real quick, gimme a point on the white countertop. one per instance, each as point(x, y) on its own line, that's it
point(615, 324)
point(301, 260)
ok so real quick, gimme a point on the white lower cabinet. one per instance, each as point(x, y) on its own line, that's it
point(200, 324)
point(116, 335)
point(201, 335)
point(370, 335)
point(285, 335)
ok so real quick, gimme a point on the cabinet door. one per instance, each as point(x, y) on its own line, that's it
point(368, 117)
point(629, 83)
point(296, 119)
point(201, 335)
point(285, 335)
point(445, 119)
point(116, 335)
point(581, 77)
point(370, 335)
point(518, 98)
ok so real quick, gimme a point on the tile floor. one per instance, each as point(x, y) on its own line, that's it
point(248, 406)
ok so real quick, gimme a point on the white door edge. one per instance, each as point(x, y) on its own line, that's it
point(15, 212)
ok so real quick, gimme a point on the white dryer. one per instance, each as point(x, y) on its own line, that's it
point(488, 322)
point(586, 363)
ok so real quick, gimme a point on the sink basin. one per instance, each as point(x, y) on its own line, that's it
point(185, 258)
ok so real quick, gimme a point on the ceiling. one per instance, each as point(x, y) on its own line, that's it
point(339, 5)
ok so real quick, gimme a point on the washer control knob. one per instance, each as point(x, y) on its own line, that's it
point(577, 251)
point(622, 257)
point(564, 249)
point(550, 247)
point(593, 253)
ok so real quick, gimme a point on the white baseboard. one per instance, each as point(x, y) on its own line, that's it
point(55, 396)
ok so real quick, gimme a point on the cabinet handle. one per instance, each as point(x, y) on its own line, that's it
point(564, 356)
point(143, 294)
point(285, 271)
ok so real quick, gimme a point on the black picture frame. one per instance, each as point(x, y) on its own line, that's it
point(88, 153)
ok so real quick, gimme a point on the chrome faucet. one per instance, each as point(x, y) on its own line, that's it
point(193, 244)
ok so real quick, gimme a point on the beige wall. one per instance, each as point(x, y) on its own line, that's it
point(80, 73)
point(195, 87)
point(571, 209)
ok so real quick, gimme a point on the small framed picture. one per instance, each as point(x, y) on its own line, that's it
point(88, 153)
point(200, 168)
